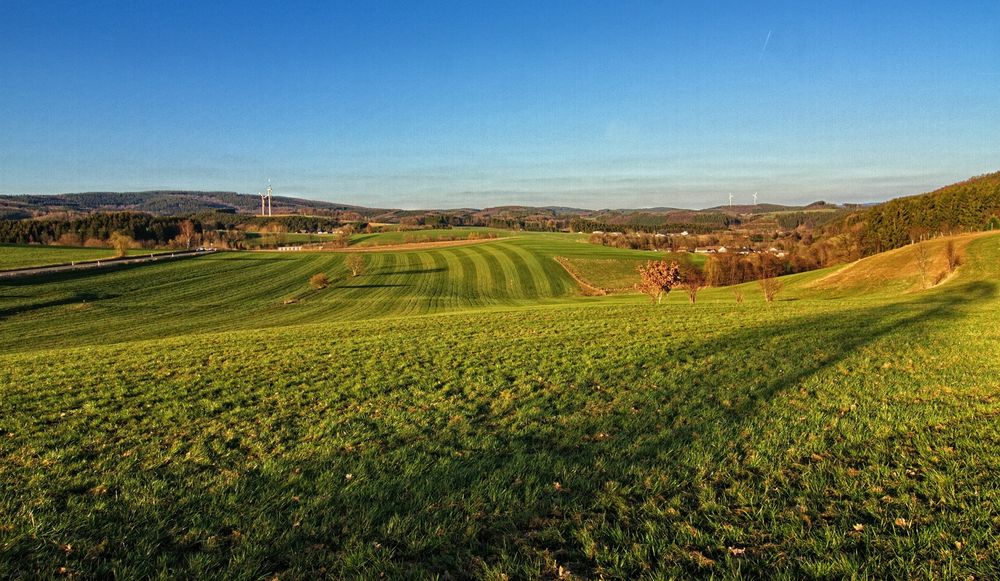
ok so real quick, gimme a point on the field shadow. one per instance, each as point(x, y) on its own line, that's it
point(559, 465)
point(494, 484)
point(410, 271)
point(74, 298)
point(374, 285)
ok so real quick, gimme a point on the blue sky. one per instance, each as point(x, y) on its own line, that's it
point(454, 104)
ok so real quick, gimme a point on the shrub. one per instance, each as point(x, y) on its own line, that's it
point(954, 258)
point(121, 243)
point(319, 281)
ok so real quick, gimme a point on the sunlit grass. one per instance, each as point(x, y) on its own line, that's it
point(594, 436)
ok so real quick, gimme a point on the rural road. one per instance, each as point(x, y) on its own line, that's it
point(102, 263)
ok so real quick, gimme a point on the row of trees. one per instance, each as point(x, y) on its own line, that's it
point(659, 277)
point(291, 223)
point(732, 269)
point(144, 229)
point(665, 242)
point(699, 224)
point(968, 206)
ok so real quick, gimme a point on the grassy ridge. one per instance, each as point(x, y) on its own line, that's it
point(897, 270)
point(602, 436)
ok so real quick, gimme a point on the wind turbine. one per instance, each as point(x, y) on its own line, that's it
point(755, 198)
point(261, 203)
point(730, 200)
point(269, 196)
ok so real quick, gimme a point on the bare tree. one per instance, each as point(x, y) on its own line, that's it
point(319, 281)
point(953, 256)
point(692, 281)
point(121, 243)
point(356, 263)
point(769, 282)
point(770, 286)
point(923, 264)
point(187, 235)
point(657, 278)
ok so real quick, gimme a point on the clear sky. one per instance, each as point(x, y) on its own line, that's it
point(478, 103)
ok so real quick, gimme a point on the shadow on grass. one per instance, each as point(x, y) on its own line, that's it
point(473, 483)
point(370, 285)
point(74, 298)
point(410, 271)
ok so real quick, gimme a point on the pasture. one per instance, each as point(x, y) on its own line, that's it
point(429, 235)
point(465, 412)
point(15, 256)
point(366, 240)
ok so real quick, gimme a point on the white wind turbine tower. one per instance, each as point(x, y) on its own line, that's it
point(755, 198)
point(730, 200)
point(261, 203)
point(269, 197)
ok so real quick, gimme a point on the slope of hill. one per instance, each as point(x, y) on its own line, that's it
point(223, 430)
point(911, 268)
point(967, 206)
point(246, 290)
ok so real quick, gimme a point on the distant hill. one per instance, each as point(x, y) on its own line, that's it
point(163, 203)
point(769, 208)
point(961, 207)
point(180, 202)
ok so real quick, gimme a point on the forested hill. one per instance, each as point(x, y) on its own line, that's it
point(163, 203)
point(967, 206)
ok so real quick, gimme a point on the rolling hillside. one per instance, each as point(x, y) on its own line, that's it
point(898, 270)
point(247, 290)
point(162, 203)
point(464, 411)
point(969, 206)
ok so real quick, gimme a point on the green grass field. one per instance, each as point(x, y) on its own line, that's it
point(13, 256)
point(362, 240)
point(416, 236)
point(620, 273)
point(464, 412)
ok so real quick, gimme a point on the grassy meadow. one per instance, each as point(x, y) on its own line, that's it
point(390, 238)
point(618, 274)
point(15, 256)
point(465, 412)
point(430, 235)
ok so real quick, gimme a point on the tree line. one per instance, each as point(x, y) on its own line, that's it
point(147, 230)
point(968, 206)
point(142, 228)
point(701, 224)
